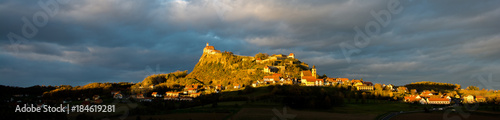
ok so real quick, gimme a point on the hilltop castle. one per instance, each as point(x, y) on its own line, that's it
point(210, 50)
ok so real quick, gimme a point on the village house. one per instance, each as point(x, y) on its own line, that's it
point(219, 87)
point(330, 81)
point(342, 80)
point(314, 82)
point(357, 82)
point(237, 86)
point(156, 94)
point(364, 88)
point(191, 90)
point(261, 82)
point(258, 60)
point(118, 96)
point(172, 94)
point(426, 94)
point(469, 99)
point(412, 98)
point(255, 84)
point(139, 96)
point(413, 91)
point(194, 95)
point(291, 55)
point(368, 83)
point(402, 89)
point(188, 89)
point(270, 69)
point(389, 87)
point(271, 79)
point(438, 101)
point(480, 99)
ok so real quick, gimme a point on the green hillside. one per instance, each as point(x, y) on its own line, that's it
point(223, 68)
point(226, 68)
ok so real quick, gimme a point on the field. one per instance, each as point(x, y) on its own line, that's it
point(243, 110)
point(443, 116)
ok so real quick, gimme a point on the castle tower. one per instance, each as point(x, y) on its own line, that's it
point(313, 70)
point(210, 49)
point(291, 55)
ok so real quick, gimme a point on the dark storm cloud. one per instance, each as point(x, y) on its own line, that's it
point(110, 40)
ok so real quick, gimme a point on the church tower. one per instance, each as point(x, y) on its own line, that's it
point(313, 70)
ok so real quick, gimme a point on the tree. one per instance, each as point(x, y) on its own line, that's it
point(378, 87)
point(262, 56)
point(323, 76)
point(472, 88)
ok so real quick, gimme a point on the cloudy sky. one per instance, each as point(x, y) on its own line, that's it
point(76, 42)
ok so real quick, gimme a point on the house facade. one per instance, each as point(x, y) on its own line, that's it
point(364, 88)
point(438, 101)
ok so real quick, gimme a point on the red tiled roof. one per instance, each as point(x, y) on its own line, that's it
point(355, 81)
point(210, 47)
point(438, 99)
point(330, 79)
point(343, 79)
point(269, 76)
point(368, 83)
point(277, 74)
point(307, 73)
point(308, 77)
point(426, 93)
point(314, 80)
point(291, 54)
point(272, 77)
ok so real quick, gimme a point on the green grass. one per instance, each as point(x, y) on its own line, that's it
point(375, 108)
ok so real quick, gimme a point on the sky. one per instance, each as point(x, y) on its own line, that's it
point(76, 42)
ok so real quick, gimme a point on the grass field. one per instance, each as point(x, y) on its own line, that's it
point(263, 110)
point(445, 116)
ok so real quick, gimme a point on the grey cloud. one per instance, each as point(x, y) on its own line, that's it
point(444, 41)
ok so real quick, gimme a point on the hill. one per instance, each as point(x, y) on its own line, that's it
point(427, 85)
point(225, 68)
